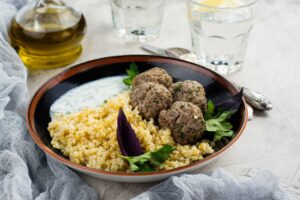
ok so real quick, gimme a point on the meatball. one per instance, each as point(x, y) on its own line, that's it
point(150, 99)
point(154, 75)
point(185, 120)
point(190, 91)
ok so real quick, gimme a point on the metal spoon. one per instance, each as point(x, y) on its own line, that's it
point(255, 99)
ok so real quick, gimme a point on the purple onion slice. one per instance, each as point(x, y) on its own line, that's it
point(231, 103)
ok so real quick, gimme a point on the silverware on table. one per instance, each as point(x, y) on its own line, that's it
point(255, 99)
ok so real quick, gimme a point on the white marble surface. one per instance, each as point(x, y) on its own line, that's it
point(271, 140)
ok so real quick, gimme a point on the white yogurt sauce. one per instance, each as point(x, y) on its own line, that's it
point(88, 95)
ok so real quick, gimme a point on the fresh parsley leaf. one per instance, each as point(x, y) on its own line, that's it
point(220, 134)
point(223, 116)
point(217, 122)
point(148, 161)
point(161, 155)
point(135, 161)
point(210, 110)
point(146, 167)
point(131, 72)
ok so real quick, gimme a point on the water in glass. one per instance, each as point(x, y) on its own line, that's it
point(137, 20)
point(219, 34)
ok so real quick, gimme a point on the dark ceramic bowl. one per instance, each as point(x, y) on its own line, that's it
point(217, 88)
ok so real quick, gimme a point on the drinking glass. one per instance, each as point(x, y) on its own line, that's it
point(220, 30)
point(137, 20)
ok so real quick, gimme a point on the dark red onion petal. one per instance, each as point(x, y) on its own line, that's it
point(128, 142)
point(232, 103)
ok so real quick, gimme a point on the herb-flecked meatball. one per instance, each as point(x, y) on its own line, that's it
point(154, 75)
point(190, 91)
point(185, 120)
point(150, 99)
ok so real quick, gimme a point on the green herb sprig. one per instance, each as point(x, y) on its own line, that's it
point(147, 162)
point(218, 122)
point(131, 72)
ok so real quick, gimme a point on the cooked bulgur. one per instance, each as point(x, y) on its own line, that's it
point(89, 137)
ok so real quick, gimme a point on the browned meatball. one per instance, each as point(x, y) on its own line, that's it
point(154, 75)
point(190, 91)
point(185, 120)
point(150, 98)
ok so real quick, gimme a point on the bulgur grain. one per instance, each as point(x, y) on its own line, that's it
point(89, 137)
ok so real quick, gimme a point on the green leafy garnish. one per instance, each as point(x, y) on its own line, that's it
point(218, 122)
point(148, 161)
point(131, 72)
point(210, 110)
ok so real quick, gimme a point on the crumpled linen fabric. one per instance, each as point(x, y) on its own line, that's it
point(219, 185)
point(26, 173)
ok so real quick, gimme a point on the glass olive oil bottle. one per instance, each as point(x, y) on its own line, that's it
point(47, 34)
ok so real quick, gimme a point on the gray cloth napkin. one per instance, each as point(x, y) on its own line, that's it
point(25, 171)
point(219, 185)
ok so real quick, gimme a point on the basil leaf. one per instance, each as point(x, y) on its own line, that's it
point(128, 142)
point(231, 103)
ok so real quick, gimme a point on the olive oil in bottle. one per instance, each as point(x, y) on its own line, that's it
point(47, 34)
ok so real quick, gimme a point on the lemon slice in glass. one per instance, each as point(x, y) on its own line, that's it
point(219, 3)
point(212, 6)
point(212, 3)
